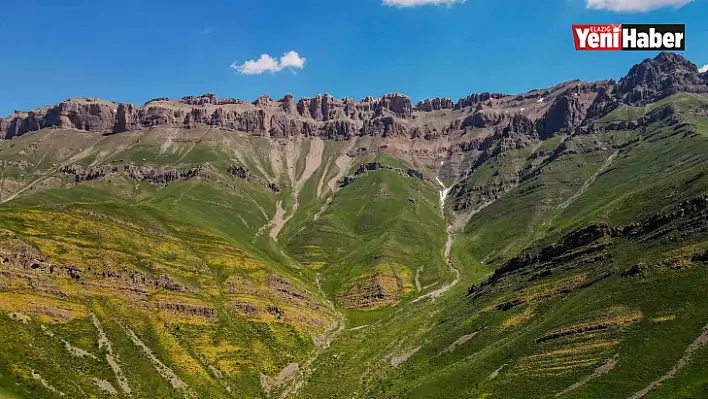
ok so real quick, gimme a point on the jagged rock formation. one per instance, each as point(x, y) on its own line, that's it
point(435, 104)
point(158, 176)
point(657, 78)
point(566, 112)
point(561, 108)
point(474, 99)
point(243, 173)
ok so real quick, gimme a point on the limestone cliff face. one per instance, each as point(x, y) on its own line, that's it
point(435, 104)
point(323, 116)
point(560, 108)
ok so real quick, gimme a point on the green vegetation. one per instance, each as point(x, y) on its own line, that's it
point(582, 260)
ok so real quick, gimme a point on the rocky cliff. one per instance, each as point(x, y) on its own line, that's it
point(553, 110)
point(657, 78)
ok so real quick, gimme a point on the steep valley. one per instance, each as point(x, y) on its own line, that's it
point(547, 244)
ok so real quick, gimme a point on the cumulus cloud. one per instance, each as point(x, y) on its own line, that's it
point(704, 68)
point(634, 5)
point(417, 3)
point(266, 63)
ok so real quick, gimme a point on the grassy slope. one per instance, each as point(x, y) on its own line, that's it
point(200, 233)
point(382, 220)
point(204, 232)
point(657, 315)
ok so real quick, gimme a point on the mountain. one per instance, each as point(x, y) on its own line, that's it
point(547, 244)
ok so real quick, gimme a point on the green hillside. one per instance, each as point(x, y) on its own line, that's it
point(204, 262)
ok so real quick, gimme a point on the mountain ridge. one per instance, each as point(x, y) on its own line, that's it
point(390, 115)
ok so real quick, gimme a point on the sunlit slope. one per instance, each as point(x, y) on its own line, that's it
point(208, 263)
point(372, 240)
point(176, 262)
point(216, 316)
point(607, 303)
point(158, 263)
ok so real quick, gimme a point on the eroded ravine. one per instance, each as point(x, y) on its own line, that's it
point(312, 163)
point(448, 244)
point(322, 343)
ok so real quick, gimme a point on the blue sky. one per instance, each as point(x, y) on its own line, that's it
point(132, 51)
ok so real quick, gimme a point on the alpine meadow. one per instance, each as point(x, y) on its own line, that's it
point(546, 244)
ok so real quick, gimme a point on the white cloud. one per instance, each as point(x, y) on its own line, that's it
point(266, 63)
point(634, 5)
point(417, 3)
point(704, 68)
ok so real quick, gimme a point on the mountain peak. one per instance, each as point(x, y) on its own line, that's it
point(659, 77)
point(671, 61)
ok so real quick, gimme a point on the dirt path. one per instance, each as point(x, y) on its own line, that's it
point(448, 246)
point(46, 384)
point(496, 372)
point(688, 354)
point(463, 339)
point(276, 159)
point(397, 360)
point(194, 144)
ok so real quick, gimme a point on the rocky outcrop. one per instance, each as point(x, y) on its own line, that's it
point(141, 280)
point(483, 118)
point(371, 292)
point(20, 260)
point(521, 125)
point(288, 105)
point(668, 113)
point(660, 77)
point(474, 99)
point(603, 103)
point(435, 104)
point(127, 118)
point(371, 166)
point(323, 116)
point(596, 238)
point(153, 175)
point(565, 113)
point(208, 99)
point(187, 309)
point(397, 103)
point(240, 171)
point(243, 173)
point(83, 114)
